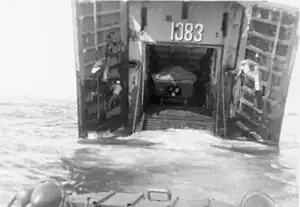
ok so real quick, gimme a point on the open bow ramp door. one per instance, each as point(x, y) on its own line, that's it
point(100, 44)
point(271, 43)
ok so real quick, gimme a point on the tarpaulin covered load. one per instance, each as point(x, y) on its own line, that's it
point(175, 73)
point(170, 74)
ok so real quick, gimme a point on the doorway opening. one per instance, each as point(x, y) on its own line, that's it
point(179, 79)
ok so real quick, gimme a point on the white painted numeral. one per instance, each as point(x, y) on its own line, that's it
point(172, 31)
point(199, 33)
point(187, 32)
point(179, 33)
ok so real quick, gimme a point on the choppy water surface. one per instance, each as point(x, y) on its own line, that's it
point(38, 141)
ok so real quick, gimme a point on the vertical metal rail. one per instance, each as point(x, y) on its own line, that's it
point(96, 48)
point(269, 86)
point(95, 24)
point(285, 83)
point(242, 27)
point(269, 83)
point(221, 92)
point(82, 130)
point(223, 104)
point(218, 88)
point(137, 101)
point(124, 71)
point(143, 71)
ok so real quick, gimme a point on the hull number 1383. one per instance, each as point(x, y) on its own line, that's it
point(186, 32)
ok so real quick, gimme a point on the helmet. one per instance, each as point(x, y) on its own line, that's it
point(46, 194)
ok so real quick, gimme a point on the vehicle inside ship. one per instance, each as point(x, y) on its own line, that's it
point(178, 85)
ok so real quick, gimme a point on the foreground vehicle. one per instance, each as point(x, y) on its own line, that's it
point(51, 194)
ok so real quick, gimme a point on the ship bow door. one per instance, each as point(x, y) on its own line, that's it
point(100, 41)
point(270, 48)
